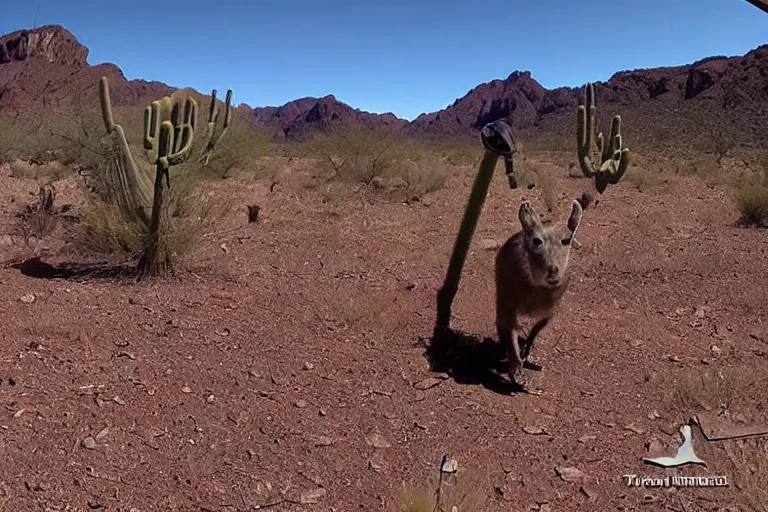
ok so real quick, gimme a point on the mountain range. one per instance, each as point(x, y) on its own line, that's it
point(47, 68)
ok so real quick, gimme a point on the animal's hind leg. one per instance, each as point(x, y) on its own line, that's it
point(525, 349)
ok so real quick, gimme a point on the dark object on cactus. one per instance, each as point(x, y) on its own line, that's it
point(497, 138)
point(498, 142)
point(614, 159)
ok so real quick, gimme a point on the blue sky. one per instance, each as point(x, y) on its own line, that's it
point(392, 55)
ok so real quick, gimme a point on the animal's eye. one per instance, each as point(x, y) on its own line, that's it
point(537, 242)
point(566, 241)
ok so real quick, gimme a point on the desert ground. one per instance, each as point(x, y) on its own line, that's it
point(286, 364)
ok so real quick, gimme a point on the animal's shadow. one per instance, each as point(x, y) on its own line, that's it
point(35, 267)
point(468, 359)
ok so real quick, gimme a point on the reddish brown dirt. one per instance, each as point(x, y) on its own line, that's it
point(220, 388)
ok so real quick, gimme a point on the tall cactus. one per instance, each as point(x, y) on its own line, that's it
point(168, 136)
point(173, 146)
point(614, 160)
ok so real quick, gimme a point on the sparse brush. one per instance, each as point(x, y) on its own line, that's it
point(355, 155)
point(752, 201)
point(420, 178)
point(709, 390)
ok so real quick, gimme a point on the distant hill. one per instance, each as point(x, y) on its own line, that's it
point(684, 105)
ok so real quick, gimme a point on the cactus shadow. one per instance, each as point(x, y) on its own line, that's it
point(470, 359)
point(35, 267)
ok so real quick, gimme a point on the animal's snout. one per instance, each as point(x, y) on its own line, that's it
point(553, 274)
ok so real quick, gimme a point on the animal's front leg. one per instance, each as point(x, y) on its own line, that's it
point(508, 340)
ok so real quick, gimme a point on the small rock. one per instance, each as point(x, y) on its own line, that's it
point(210, 399)
point(18, 413)
point(427, 383)
point(654, 415)
point(635, 343)
point(186, 389)
point(634, 428)
point(586, 439)
point(587, 492)
point(377, 441)
point(322, 412)
point(570, 474)
point(715, 350)
point(649, 498)
point(376, 465)
point(102, 434)
point(312, 496)
point(323, 441)
point(28, 298)
point(700, 313)
point(535, 431)
point(118, 400)
point(449, 466)
point(308, 366)
point(410, 286)
point(89, 443)
point(674, 359)
point(301, 404)
point(222, 332)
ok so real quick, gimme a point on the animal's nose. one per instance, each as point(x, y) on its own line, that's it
point(553, 271)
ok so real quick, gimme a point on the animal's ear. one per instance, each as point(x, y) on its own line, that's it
point(575, 218)
point(528, 218)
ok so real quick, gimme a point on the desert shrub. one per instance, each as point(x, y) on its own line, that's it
point(643, 179)
point(752, 202)
point(354, 155)
point(419, 178)
point(240, 150)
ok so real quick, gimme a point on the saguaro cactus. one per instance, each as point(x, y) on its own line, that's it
point(498, 142)
point(168, 136)
point(173, 146)
point(614, 160)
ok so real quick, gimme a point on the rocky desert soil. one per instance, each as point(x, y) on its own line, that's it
point(286, 366)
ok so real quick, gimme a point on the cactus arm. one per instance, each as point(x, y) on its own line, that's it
point(621, 169)
point(106, 105)
point(213, 115)
point(151, 126)
point(184, 134)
